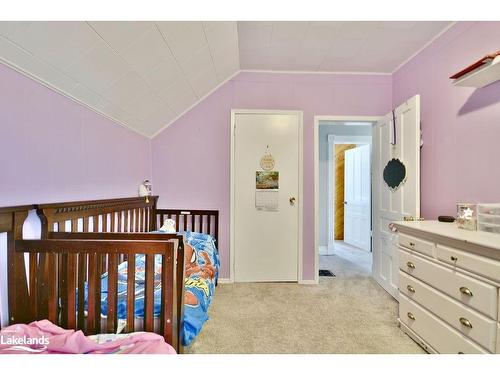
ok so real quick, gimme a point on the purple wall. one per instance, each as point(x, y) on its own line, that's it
point(191, 158)
point(461, 125)
point(53, 149)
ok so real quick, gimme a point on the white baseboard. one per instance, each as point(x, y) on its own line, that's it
point(224, 281)
point(309, 282)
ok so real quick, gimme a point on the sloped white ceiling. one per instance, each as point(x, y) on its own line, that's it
point(348, 46)
point(146, 74)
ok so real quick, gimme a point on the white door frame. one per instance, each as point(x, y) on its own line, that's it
point(300, 116)
point(317, 120)
point(333, 140)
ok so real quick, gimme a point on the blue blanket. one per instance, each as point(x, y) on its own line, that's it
point(202, 265)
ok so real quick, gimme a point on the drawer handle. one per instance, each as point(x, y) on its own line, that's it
point(410, 265)
point(453, 259)
point(412, 244)
point(411, 316)
point(465, 322)
point(410, 288)
point(460, 353)
point(466, 291)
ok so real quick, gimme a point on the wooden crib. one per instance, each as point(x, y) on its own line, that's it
point(82, 240)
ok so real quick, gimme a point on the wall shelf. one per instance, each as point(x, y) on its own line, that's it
point(482, 73)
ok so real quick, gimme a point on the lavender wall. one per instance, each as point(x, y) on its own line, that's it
point(53, 149)
point(461, 125)
point(191, 158)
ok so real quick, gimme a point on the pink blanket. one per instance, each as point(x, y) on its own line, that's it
point(44, 337)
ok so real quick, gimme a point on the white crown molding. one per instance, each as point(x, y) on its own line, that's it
point(312, 72)
point(437, 36)
point(196, 103)
point(62, 92)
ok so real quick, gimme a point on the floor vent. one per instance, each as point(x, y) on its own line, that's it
point(326, 273)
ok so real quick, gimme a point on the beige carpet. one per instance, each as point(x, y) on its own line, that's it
point(349, 313)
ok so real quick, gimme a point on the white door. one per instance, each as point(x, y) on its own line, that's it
point(357, 197)
point(266, 241)
point(394, 141)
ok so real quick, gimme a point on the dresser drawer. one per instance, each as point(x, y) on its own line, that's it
point(470, 323)
point(434, 331)
point(475, 263)
point(416, 244)
point(471, 292)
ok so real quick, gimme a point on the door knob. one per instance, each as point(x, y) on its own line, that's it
point(292, 201)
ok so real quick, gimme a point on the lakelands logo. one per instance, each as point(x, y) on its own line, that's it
point(24, 343)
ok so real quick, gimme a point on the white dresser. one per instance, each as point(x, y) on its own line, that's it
point(449, 282)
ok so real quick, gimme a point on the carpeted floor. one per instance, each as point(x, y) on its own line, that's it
point(348, 313)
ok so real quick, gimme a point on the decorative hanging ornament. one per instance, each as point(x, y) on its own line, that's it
point(267, 161)
point(394, 174)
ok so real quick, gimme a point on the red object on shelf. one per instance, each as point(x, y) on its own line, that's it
point(476, 65)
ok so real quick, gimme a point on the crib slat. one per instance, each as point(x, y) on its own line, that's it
point(86, 224)
point(33, 286)
point(130, 292)
point(113, 222)
point(125, 221)
point(71, 286)
point(120, 215)
point(91, 299)
point(97, 290)
point(82, 273)
point(177, 223)
point(149, 293)
point(136, 220)
point(95, 225)
point(193, 220)
point(167, 299)
point(52, 287)
point(209, 223)
point(104, 221)
point(112, 292)
point(63, 289)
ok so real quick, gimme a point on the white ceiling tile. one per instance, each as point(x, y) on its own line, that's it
point(184, 38)
point(162, 75)
point(99, 68)
point(145, 105)
point(179, 95)
point(126, 89)
point(204, 82)
point(200, 61)
point(221, 35)
point(120, 34)
point(148, 51)
point(226, 63)
point(59, 43)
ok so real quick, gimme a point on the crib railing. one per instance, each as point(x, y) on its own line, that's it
point(66, 264)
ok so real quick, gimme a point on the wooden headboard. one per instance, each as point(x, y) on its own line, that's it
point(122, 215)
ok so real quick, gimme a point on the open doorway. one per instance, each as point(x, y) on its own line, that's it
point(344, 195)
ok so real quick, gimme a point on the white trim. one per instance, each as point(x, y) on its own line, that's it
point(433, 39)
point(224, 281)
point(300, 237)
point(196, 103)
point(313, 72)
point(333, 140)
point(309, 282)
point(317, 120)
